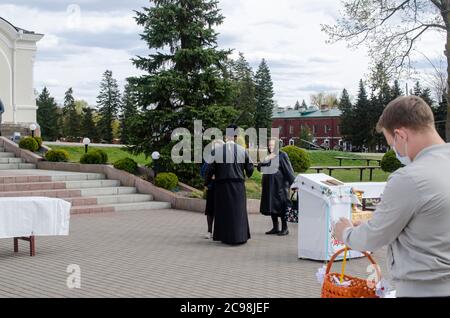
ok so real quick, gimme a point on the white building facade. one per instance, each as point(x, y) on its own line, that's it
point(17, 55)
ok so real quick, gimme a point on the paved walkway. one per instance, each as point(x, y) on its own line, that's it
point(161, 253)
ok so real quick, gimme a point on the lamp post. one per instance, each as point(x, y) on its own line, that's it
point(155, 156)
point(32, 128)
point(86, 142)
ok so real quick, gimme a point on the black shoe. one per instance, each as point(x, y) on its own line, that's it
point(284, 232)
point(273, 231)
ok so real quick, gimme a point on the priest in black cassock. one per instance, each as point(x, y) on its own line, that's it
point(230, 167)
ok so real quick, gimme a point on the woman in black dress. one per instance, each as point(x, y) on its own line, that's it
point(278, 176)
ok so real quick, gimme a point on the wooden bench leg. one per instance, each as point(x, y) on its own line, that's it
point(361, 175)
point(16, 245)
point(371, 174)
point(330, 171)
point(31, 241)
point(32, 246)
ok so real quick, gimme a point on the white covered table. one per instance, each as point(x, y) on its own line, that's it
point(27, 217)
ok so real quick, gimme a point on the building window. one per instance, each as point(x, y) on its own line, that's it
point(314, 129)
point(291, 129)
point(327, 129)
point(280, 129)
point(338, 128)
point(291, 142)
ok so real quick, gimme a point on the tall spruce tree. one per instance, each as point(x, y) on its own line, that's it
point(129, 110)
point(297, 105)
point(396, 91)
point(264, 97)
point(48, 116)
point(362, 129)
point(187, 76)
point(245, 101)
point(347, 116)
point(108, 102)
point(72, 120)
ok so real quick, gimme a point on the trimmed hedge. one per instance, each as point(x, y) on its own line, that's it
point(299, 158)
point(96, 157)
point(29, 143)
point(57, 156)
point(39, 141)
point(390, 163)
point(126, 164)
point(166, 180)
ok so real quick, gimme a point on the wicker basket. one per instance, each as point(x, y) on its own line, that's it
point(358, 288)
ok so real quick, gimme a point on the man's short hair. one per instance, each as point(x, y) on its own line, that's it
point(410, 112)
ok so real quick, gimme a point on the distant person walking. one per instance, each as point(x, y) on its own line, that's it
point(278, 176)
point(231, 166)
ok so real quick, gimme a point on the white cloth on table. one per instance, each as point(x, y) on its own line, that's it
point(39, 216)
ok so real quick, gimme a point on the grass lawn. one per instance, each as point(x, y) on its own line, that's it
point(114, 154)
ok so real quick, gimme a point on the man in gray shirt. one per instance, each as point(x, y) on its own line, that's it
point(413, 218)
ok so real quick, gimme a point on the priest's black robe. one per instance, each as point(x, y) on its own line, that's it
point(231, 219)
point(276, 181)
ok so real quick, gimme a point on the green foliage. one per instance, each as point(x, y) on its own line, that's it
point(299, 158)
point(126, 164)
point(390, 163)
point(108, 101)
point(264, 97)
point(129, 110)
point(29, 143)
point(88, 126)
point(72, 120)
point(57, 156)
point(48, 115)
point(39, 141)
point(184, 69)
point(166, 180)
point(96, 156)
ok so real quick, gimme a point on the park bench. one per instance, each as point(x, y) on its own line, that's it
point(367, 159)
point(360, 168)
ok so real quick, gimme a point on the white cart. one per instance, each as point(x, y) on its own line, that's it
point(323, 200)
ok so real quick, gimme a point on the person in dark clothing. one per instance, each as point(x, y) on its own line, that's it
point(230, 167)
point(210, 194)
point(2, 110)
point(278, 176)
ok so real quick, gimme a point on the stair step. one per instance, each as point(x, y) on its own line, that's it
point(7, 155)
point(121, 207)
point(11, 160)
point(51, 178)
point(2, 149)
point(70, 193)
point(12, 166)
point(109, 199)
point(58, 185)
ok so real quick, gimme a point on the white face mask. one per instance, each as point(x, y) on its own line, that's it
point(405, 160)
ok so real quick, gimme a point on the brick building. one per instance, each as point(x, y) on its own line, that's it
point(324, 125)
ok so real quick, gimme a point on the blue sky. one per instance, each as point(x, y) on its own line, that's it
point(83, 38)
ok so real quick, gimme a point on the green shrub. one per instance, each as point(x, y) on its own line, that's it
point(166, 180)
point(299, 158)
point(103, 154)
point(390, 163)
point(39, 141)
point(57, 156)
point(96, 157)
point(29, 143)
point(126, 164)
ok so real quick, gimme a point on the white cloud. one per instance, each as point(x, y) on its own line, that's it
point(78, 48)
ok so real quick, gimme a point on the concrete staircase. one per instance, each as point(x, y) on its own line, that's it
point(88, 192)
point(8, 161)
